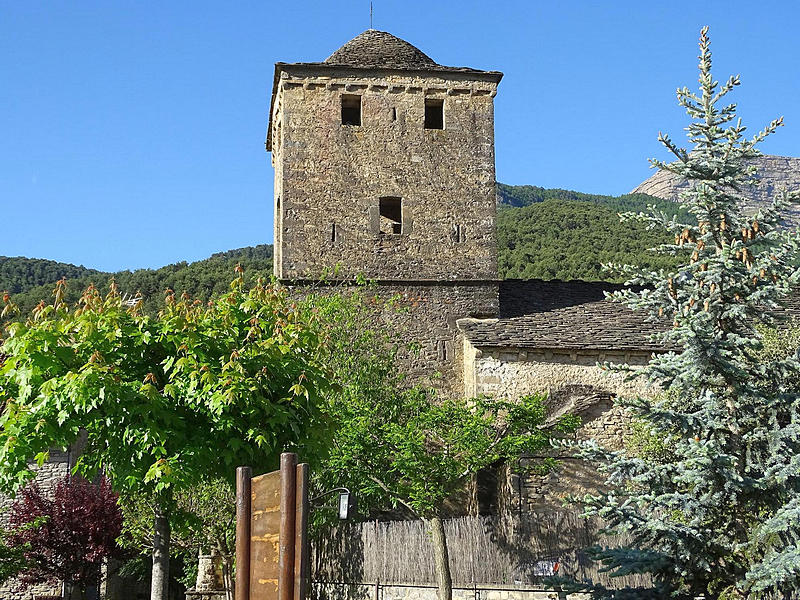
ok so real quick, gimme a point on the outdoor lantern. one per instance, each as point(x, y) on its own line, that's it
point(346, 505)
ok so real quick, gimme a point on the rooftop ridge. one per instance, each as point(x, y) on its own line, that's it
point(375, 48)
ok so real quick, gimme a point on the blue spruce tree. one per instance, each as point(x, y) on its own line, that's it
point(718, 518)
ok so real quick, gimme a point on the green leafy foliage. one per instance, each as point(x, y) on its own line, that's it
point(13, 558)
point(166, 401)
point(203, 519)
point(399, 446)
point(717, 517)
point(418, 451)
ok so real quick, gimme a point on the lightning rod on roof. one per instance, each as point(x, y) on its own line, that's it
point(370, 15)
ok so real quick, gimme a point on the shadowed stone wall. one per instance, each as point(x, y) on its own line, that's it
point(421, 316)
point(574, 384)
point(329, 177)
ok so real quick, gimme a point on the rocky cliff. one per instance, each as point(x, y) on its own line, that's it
point(776, 173)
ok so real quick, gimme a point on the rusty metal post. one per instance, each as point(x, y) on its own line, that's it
point(243, 477)
point(287, 532)
point(301, 549)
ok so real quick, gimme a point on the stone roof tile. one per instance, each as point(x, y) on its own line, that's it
point(380, 49)
point(569, 315)
point(375, 49)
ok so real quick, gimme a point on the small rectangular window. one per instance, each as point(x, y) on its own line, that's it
point(351, 109)
point(434, 113)
point(391, 212)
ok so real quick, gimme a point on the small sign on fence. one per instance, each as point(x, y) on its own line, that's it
point(272, 532)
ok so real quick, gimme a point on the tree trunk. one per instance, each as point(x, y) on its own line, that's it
point(441, 559)
point(159, 584)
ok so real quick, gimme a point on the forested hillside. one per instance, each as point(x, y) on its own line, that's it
point(562, 239)
point(517, 196)
point(201, 279)
point(541, 233)
point(561, 234)
point(19, 274)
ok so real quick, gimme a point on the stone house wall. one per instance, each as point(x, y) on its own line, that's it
point(329, 177)
point(422, 316)
point(575, 383)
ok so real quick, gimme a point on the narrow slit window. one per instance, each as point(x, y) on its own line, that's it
point(351, 109)
point(394, 114)
point(333, 232)
point(434, 113)
point(391, 211)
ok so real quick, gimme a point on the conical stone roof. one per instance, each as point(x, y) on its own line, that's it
point(380, 49)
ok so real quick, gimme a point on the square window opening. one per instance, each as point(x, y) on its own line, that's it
point(351, 109)
point(434, 113)
point(391, 211)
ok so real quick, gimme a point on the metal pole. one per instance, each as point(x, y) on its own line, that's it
point(243, 477)
point(287, 531)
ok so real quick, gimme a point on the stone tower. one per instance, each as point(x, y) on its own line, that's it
point(384, 167)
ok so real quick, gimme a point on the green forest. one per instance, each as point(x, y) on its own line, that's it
point(541, 233)
point(21, 274)
point(561, 234)
point(202, 279)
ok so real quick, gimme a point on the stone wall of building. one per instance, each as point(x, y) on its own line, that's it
point(330, 177)
point(574, 383)
point(47, 476)
point(421, 316)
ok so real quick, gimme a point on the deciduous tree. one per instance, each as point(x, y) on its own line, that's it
point(404, 447)
point(165, 401)
point(66, 535)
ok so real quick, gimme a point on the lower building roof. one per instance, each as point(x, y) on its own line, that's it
point(568, 315)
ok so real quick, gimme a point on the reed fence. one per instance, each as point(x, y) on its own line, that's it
point(507, 550)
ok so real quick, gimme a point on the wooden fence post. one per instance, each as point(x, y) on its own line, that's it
point(243, 478)
point(286, 538)
point(301, 545)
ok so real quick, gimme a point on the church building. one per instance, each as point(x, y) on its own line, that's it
point(385, 167)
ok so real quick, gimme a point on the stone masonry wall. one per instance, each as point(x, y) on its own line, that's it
point(329, 177)
point(46, 478)
point(579, 386)
point(422, 317)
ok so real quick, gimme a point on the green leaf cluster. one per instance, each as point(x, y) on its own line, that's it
point(13, 559)
point(404, 447)
point(165, 401)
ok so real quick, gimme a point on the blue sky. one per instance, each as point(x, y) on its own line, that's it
point(132, 133)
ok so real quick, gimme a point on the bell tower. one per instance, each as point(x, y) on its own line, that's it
point(384, 166)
